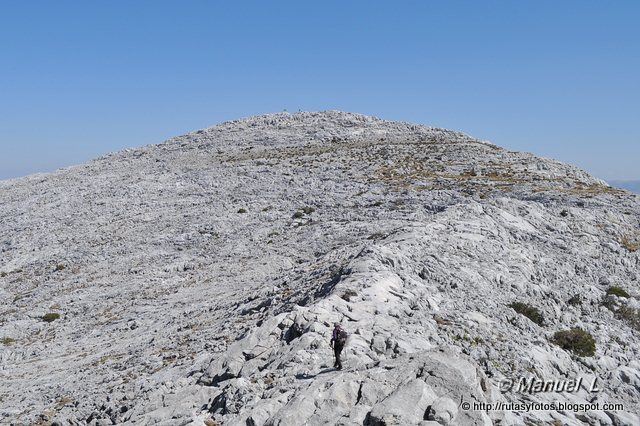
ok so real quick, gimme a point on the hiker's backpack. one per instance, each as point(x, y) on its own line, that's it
point(342, 337)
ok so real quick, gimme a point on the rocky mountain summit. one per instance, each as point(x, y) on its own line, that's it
point(197, 282)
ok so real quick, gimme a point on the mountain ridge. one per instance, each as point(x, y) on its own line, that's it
point(198, 279)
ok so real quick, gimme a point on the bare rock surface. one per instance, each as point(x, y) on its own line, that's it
point(199, 279)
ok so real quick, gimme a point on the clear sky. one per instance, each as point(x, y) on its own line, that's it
point(557, 78)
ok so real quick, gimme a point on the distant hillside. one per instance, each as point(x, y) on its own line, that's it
point(631, 185)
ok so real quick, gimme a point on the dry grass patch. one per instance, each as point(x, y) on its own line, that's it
point(631, 243)
point(7, 341)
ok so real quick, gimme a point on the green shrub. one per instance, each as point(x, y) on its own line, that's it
point(617, 291)
point(528, 311)
point(242, 210)
point(308, 210)
point(60, 267)
point(7, 341)
point(298, 215)
point(576, 340)
point(50, 317)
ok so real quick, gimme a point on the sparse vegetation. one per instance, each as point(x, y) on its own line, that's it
point(50, 317)
point(64, 401)
point(308, 210)
point(60, 267)
point(622, 311)
point(576, 340)
point(376, 236)
point(617, 291)
point(629, 315)
point(8, 341)
point(474, 341)
point(460, 338)
point(631, 244)
point(528, 311)
point(441, 321)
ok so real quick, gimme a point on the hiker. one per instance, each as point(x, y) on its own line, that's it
point(338, 339)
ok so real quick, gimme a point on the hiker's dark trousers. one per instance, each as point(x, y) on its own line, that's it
point(336, 351)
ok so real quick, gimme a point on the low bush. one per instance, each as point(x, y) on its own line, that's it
point(7, 341)
point(528, 311)
point(576, 340)
point(50, 317)
point(242, 210)
point(617, 291)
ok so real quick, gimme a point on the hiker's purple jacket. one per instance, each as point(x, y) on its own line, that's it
point(334, 336)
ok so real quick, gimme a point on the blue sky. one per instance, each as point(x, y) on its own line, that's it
point(560, 79)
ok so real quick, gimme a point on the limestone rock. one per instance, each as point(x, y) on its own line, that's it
point(199, 280)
